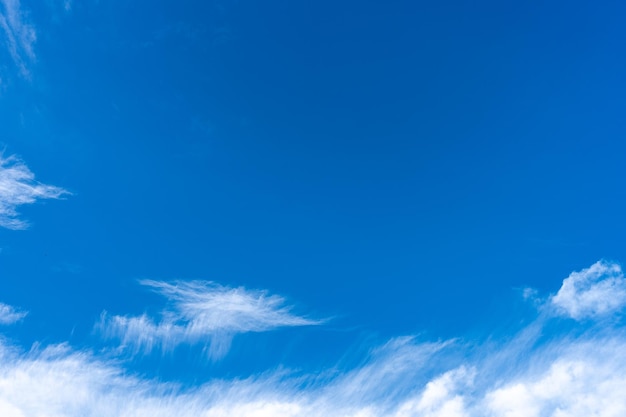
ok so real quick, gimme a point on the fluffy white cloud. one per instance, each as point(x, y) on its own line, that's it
point(9, 315)
point(201, 312)
point(593, 292)
point(19, 36)
point(441, 397)
point(588, 379)
point(18, 187)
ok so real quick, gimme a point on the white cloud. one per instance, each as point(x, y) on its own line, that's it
point(596, 291)
point(588, 379)
point(201, 312)
point(19, 35)
point(572, 378)
point(561, 375)
point(9, 315)
point(18, 187)
point(441, 397)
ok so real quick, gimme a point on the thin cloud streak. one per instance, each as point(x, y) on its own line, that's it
point(18, 187)
point(201, 312)
point(19, 35)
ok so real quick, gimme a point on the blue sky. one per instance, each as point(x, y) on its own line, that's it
point(288, 208)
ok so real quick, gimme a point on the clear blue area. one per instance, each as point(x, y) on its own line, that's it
point(399, 166)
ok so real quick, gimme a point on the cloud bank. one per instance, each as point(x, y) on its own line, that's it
point(19, 36)
point(201, 312)
point(18, 187)
point(565, 375)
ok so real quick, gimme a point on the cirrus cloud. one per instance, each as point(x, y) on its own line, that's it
point(18, 187)
point(201, 312)
point(527, 374)
point(404, 378)
point(19, 35)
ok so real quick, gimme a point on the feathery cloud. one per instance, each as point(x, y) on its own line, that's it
point(19, 35)
point(574, 378)
point(18, 187)
point(596, 291)
point(563, 375)
point(201, 312)
point(9, 315)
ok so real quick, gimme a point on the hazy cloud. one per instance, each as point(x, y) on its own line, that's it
point(20, 36)
point(9, 315)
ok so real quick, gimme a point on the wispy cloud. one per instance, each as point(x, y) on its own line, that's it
point(596, 291)
point(18, 187)
point(201, 312)
point(9, 315)
point(564, 375)
point(573, 378)
point(20, 36)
